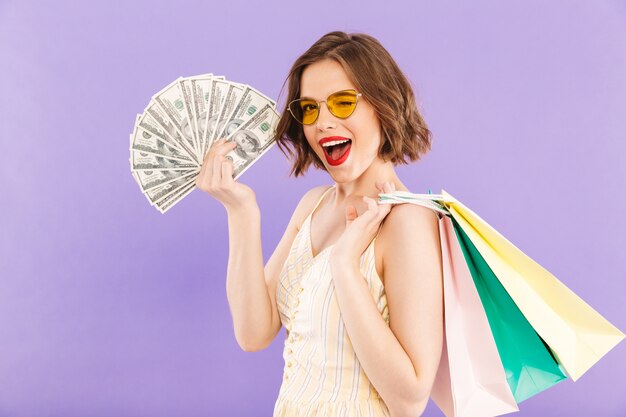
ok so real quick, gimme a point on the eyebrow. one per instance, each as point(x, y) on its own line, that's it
point(336, 91)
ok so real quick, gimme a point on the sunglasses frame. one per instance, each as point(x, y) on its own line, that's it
point(319, 105)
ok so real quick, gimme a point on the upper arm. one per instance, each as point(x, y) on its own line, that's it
point(413, 276)
point(275, 264)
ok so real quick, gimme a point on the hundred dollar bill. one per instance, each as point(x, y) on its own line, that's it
point(166, 203)
point(159, 116)
point(136, 177)
point(171, 102)
point(201, 91)
point(147, 123)
point(253, 138)
point(154, 195)
point(133, 173)
point(144, 141)
point(184, 86)
point(150, 179)
point(219, 89)
point(233, 94)
point(250, 102)
point(140, 161)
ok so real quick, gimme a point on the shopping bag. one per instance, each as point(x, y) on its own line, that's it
point(577, 335)
point(529, 365)
point(470, 380)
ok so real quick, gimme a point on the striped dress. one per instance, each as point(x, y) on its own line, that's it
point(322, 374)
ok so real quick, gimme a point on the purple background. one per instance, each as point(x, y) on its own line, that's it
point(108, 308)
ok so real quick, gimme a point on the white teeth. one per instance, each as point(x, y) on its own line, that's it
point(334, 142)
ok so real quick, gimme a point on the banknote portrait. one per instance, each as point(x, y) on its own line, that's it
point(248, 146)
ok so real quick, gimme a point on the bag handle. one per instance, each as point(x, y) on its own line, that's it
point(436, 202)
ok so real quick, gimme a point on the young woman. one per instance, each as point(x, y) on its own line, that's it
point(357, 285)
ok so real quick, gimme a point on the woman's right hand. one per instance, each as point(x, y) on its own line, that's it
point(216, 179)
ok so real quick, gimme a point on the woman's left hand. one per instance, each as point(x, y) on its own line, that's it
point(360, 230)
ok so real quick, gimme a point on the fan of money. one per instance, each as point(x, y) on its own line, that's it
point(176, 130)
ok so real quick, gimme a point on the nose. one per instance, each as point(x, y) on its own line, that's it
point(325, 120)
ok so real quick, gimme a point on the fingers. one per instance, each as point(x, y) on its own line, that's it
point(221, 147)
point(372, 205)
point(375, 212)
point(216, 177)
point(211, 174)
point(380, 210)
point(385, 187)
point(227, 172)
point(350, 213)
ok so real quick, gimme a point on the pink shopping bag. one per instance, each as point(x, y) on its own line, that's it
point(470, 381)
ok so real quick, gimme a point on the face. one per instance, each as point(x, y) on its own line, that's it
point(247, 143)
point(344, 162)
point(211, 124)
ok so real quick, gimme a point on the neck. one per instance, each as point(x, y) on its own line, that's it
point(365, 184)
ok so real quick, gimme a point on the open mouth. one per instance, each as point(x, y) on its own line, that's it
point(336, 150)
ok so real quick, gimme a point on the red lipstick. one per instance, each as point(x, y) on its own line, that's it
point(337, 152)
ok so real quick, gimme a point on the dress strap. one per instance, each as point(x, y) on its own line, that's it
point(380, 226)
point(320, 199)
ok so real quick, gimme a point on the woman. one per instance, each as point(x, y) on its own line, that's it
point(357, 285)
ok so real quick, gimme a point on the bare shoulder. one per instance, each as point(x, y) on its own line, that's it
point(307, 202)
point(276, 262)
point(408, 221)
point(408, 228)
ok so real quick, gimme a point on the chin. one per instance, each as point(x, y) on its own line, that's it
point(344, 176)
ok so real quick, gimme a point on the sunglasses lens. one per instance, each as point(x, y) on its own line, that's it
point(342, 103)
point(304, 110)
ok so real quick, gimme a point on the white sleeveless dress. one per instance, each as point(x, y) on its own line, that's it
point(322, 374)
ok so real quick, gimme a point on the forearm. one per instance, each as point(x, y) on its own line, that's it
point(381, 355)
point(248, 298)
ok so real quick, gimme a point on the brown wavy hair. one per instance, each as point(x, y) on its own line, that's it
point(377, 76)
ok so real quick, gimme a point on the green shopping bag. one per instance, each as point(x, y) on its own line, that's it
point(529, 365)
